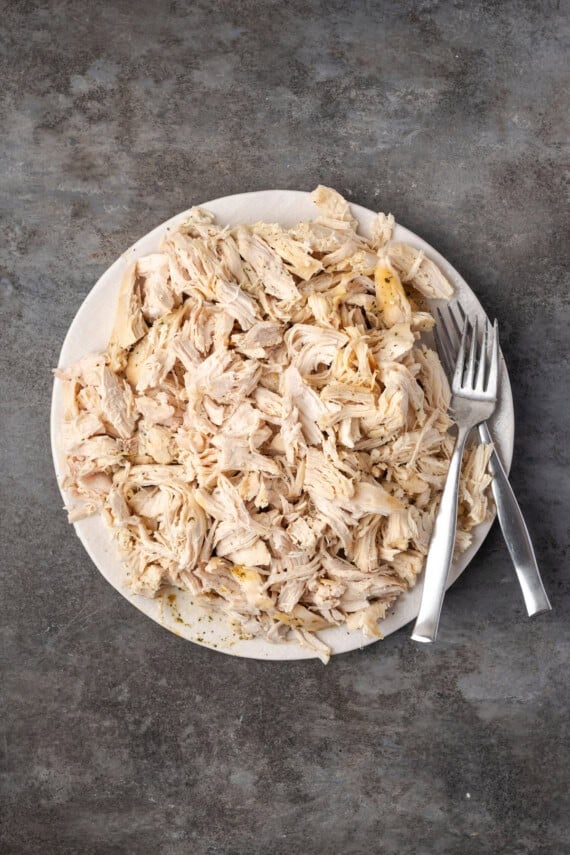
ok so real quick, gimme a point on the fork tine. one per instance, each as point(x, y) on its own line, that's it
point(456, 324)
point(458, 375)
point(443, 342)
point(443, 355)
point(480, 380)
point(493, 379)
point(470, 373)
point(444, 333)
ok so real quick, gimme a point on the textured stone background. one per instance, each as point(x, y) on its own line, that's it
point(119, 737)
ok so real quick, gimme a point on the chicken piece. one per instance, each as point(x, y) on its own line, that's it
point(421, 272)
point(236, 303)
point(361, 591)
point(338, 258)
point(364, 552)
point(294, 252)
point(474, 503)
point(323, 478)
point(77, 430)
point(397, 377)
point(117, 403)
point(422, 322)
point(119, 510)
point(85, 372)
point(302, 617)
point(368, 498)
point(199, 223)
point(129, 324)
point(323, 310)
point(156, 410)
point(100, 452)
point(397, 531)
point(233, 384)
point(149, 502)
point(434, 379)
point(310, 346)
point(345, 400)
point(154, 356)
point(349, 432)
point(334, 208)
point(237, 456)
point(381, 230)
point(290, 594)
point(256, 342)
point(310, 408)
point(302, 533)
point(312, 642)
point(390, 297)
point(338, 520)
point(256, 555)
point(367, 618)
point(197, 263)
point(268, 266)
point(158, 297)
point(392, 344)
point(251, 584)
point(269, 403)
point(158, 444)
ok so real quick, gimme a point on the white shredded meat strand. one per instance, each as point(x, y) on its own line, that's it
point(267, 429)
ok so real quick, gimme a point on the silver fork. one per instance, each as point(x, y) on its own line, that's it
point(509, 513)
point(474, 397)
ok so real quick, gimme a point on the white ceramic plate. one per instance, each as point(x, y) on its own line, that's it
point(89, 332)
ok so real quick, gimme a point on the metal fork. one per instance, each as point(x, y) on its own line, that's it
point(474, 397)
point(509, 513)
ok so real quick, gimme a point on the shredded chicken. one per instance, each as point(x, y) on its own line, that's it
point(267, 429)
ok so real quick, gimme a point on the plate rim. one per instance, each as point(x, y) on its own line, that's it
point(289, 651)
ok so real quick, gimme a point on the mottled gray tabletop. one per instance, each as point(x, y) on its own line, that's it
point(118, 737)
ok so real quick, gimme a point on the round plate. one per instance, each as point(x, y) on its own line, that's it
point(90, 331)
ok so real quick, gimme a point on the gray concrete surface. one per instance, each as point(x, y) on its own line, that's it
point(118, 737)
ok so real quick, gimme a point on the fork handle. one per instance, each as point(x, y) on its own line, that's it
point(440, 552)
point(516, 534)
